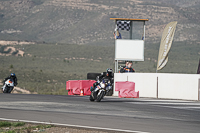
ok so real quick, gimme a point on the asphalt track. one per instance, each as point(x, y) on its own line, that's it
point(115, 114)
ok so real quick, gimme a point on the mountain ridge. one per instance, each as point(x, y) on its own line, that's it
point(88, 21)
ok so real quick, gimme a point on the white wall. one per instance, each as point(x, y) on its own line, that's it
point(145, 84)
point(178, 86)
point(171, 86)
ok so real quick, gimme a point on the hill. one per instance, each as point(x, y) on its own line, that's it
point(87, 21)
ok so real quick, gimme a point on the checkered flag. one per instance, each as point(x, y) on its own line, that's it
point(123, 25)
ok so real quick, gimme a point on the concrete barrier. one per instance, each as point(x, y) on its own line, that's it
point(178, 86)
point(145, 83)
point(163, 85)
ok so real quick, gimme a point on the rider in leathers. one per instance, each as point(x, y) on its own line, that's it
point(108, 75)
point(13, 77)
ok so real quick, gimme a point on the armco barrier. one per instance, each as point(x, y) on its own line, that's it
point(126, 89)
point(74, 87)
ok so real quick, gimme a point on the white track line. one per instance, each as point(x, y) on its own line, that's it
point(69, 125)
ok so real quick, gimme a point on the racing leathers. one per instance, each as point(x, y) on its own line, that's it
point(106, 78)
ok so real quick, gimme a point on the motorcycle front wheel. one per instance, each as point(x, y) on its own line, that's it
point(91, 99)
point(92, 96)
point(10, 89)
point(100, 96)
point(5, 90)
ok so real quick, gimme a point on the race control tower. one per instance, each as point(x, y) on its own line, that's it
point(131, 46)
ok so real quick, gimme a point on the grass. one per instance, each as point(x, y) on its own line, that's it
point(8, 124)
point(5, 124)
point(45, 68)
point(18, 124)
point(21, 127)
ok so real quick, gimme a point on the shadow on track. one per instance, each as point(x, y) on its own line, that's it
point(118, 100)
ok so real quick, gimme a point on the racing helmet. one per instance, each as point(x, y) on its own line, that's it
point(109, 72)
point(12, 75)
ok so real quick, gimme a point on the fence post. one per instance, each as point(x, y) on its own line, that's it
point(199, 91)
point(157, 88)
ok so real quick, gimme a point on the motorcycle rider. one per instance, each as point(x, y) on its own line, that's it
point(13, 77)
point(122, 67)
point(108, 75)
point(128, 68)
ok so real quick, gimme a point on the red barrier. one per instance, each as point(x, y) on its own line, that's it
point(74, 87)
point(126, 89)
point(85, 85)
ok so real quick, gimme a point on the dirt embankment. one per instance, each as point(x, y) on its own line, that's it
point(9, 46)
point(15, 42)
point(18, 52)
point(10, 49)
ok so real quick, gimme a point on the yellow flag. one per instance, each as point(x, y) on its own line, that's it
point(165, 44)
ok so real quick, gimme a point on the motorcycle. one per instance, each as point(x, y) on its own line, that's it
point(8, 86)
point(100, 90)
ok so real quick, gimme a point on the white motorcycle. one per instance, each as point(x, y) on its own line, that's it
point(100, 90)
point(8, 86)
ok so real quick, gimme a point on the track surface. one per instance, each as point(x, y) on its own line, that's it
point(143, 114)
